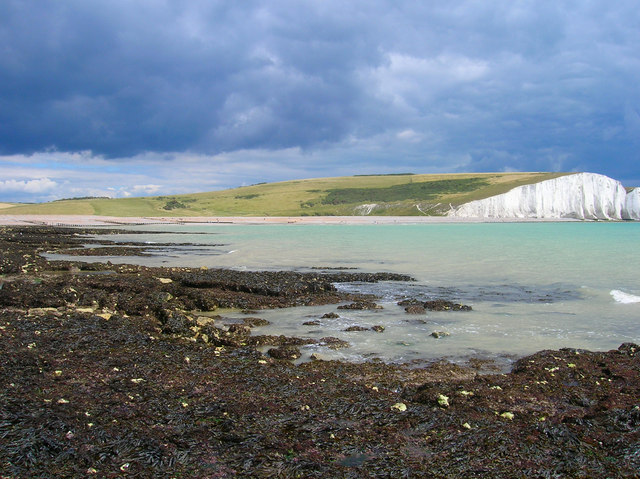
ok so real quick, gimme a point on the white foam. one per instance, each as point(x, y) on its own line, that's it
point(622, 297)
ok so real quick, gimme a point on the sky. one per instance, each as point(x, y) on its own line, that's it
point(152, 97)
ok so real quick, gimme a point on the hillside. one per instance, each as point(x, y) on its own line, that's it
point(402, 195)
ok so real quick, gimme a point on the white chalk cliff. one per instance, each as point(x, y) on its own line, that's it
point(631, 210)
point(581, 196)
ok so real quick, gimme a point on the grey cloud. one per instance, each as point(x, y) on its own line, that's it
point(525, 85)
point(119, 78)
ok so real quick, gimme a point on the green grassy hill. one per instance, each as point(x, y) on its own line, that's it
point(402, 195)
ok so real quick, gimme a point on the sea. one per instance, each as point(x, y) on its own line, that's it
point(531, 286)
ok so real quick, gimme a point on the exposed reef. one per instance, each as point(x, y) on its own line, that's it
point(116, 371)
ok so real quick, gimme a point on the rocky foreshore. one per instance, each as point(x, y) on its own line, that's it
point(126, 371)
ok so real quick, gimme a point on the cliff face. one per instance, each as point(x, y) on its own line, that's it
point(631, 208)
point(580, 196)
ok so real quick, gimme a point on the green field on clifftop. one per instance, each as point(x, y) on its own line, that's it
point(402, 195)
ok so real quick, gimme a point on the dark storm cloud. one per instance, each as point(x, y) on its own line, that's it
point(429, 86)
point(123, 77)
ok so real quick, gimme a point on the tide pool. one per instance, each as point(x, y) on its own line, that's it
point(532, 286)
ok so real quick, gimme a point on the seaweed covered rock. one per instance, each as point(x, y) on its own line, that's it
point(282, 340)
point(415, 309)
point(175, 322)
point(444, 305)
point(284, 352)
point(334, 343)
point(253, 322)
point(360, 305)
point(356, 328)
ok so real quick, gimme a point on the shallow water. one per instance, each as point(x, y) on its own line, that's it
point(532, 286)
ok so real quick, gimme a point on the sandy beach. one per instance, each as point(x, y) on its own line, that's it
point(89, 220)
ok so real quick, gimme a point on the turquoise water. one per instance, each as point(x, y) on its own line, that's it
point(532, 286)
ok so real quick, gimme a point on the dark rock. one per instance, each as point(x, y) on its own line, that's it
point(409, 302)
point(255, 322)
point(239, 330)
point(330, 315)
point(176, 323)
point(378, 328)
point(284, 352)
point(356, 328)
point(270, 340)
point(311, 323)
point(415, 309)
point(361, 305)
point(235, 336)
point(334, 343)
point(440, 334)
point(444, 305)
point(630, 349)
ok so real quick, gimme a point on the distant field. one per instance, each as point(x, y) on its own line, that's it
point(6, 205)
point(400, 195)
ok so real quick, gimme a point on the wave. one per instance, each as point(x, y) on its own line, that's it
point(622, 297)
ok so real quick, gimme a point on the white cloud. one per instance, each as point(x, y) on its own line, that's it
point(409, 135)
point(145, 189)
point(36, 186)
point(407, 78)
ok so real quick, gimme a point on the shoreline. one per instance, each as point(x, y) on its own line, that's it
point(90, 220)
point(112, 369)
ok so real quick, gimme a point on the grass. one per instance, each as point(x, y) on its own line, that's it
point(397, 194)
point(426, 190)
